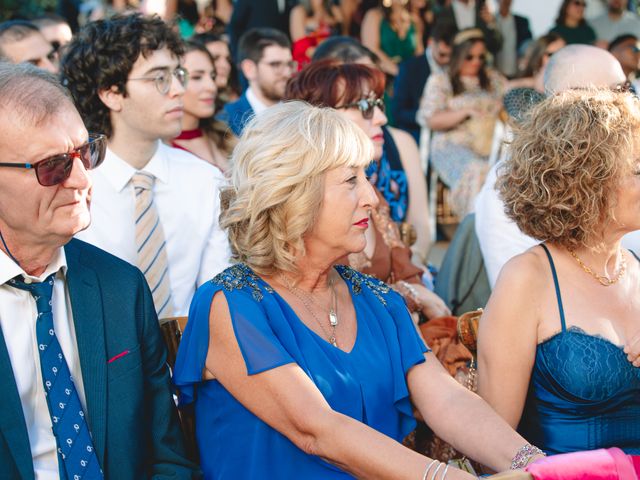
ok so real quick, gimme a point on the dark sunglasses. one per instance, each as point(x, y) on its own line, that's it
point(482, 57)
point(56, 169)
point(366, 106)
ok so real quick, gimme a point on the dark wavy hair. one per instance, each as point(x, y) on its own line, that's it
point(329, 83)
point(101, 57)
point(458, 55)
point(562, 14)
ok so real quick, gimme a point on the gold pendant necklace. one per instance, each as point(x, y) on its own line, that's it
point(307, 300)
point(603, 279)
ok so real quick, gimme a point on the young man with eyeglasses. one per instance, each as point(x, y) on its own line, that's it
point(85, 386)
point(626, 50)
point(21, 41)
point(264, 56)
point(154, 206)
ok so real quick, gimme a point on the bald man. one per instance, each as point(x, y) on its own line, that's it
point(574, 66)
point(22, 41)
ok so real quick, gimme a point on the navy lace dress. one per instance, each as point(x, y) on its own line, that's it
point(583, 395)
point(368, 383)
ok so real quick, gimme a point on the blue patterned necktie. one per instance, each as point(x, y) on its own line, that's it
point(75, 448)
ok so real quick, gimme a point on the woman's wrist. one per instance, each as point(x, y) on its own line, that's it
point(525, 455)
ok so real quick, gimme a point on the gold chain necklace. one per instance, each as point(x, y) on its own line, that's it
point(307, 300)
point(602, 279)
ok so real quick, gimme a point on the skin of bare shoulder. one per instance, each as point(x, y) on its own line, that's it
point(508, 333)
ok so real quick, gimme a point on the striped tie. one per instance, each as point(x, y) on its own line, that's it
point(152, 253)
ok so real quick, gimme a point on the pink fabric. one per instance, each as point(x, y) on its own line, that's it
point(610, 464)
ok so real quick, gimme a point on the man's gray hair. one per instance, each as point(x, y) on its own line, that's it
point(30, 94)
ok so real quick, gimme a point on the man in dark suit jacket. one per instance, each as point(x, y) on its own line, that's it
point(265, 61)
point(413, 74)
point(515, 31)
point(99, 331)
point(482, 19)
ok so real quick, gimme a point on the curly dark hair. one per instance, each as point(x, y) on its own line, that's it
point(101, 57)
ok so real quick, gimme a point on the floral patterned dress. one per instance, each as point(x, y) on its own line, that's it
point(455, 153)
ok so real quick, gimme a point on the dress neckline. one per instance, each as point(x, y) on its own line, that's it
point(314, 333)
point(190, 134)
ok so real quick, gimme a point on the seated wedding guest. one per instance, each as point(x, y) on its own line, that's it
point(311, 22)
point(397, 172)
point(226, 80)
point(355, 90)
point(571, 24)
point(21, 41)
point(202, 134)
point(461, 107)
point(392, 34)
point(302, 369)
point(574, 66)
point(85, 384)
point(559, 341)
point(538, 55)
point(264, 56)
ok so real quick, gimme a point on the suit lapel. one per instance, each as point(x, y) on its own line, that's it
point(86, 303)
point(12, 423)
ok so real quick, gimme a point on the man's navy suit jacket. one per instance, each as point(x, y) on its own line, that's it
point(130, 409)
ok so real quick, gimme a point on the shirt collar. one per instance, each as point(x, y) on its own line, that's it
point(256, 104)
point(9, 269)
point(118, 172)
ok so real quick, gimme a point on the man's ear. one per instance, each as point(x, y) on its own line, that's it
point(249, 69)
point(112, 98)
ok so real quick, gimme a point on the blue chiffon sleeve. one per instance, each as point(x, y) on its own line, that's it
point(260, 348)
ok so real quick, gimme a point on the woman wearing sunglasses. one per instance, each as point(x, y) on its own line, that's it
point(201, 134)
point(461, 107)
point(571, 24)
point(355, 91)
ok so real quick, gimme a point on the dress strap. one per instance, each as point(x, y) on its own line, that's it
point(634, 254)
point(557, 285)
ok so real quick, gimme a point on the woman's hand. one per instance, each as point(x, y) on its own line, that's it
point(432, 305)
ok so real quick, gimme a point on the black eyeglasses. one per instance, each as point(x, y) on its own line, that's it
point(366, 106)
point(163, 79)
point(56, 169)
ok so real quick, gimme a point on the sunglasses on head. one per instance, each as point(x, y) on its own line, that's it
point(366, 106)
point(625, 87)
point(56, 169)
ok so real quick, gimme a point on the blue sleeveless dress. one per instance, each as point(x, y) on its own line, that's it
point(368, 383)
point(583, 395)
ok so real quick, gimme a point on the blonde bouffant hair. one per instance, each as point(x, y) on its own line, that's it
point(277, 180)
point(568, 157)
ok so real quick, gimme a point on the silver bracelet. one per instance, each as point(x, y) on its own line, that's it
point(426, 472)
point(524, 455)
point(435, 472)
point(444, 473)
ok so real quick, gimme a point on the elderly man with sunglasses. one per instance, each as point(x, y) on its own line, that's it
point(153, 205)
point(86, 391)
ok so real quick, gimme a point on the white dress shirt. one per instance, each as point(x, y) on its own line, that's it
point(465, 14)
point(18, 314)
point(500, 238)
point(187, 197)
point(254, 101)
point(507, 58)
